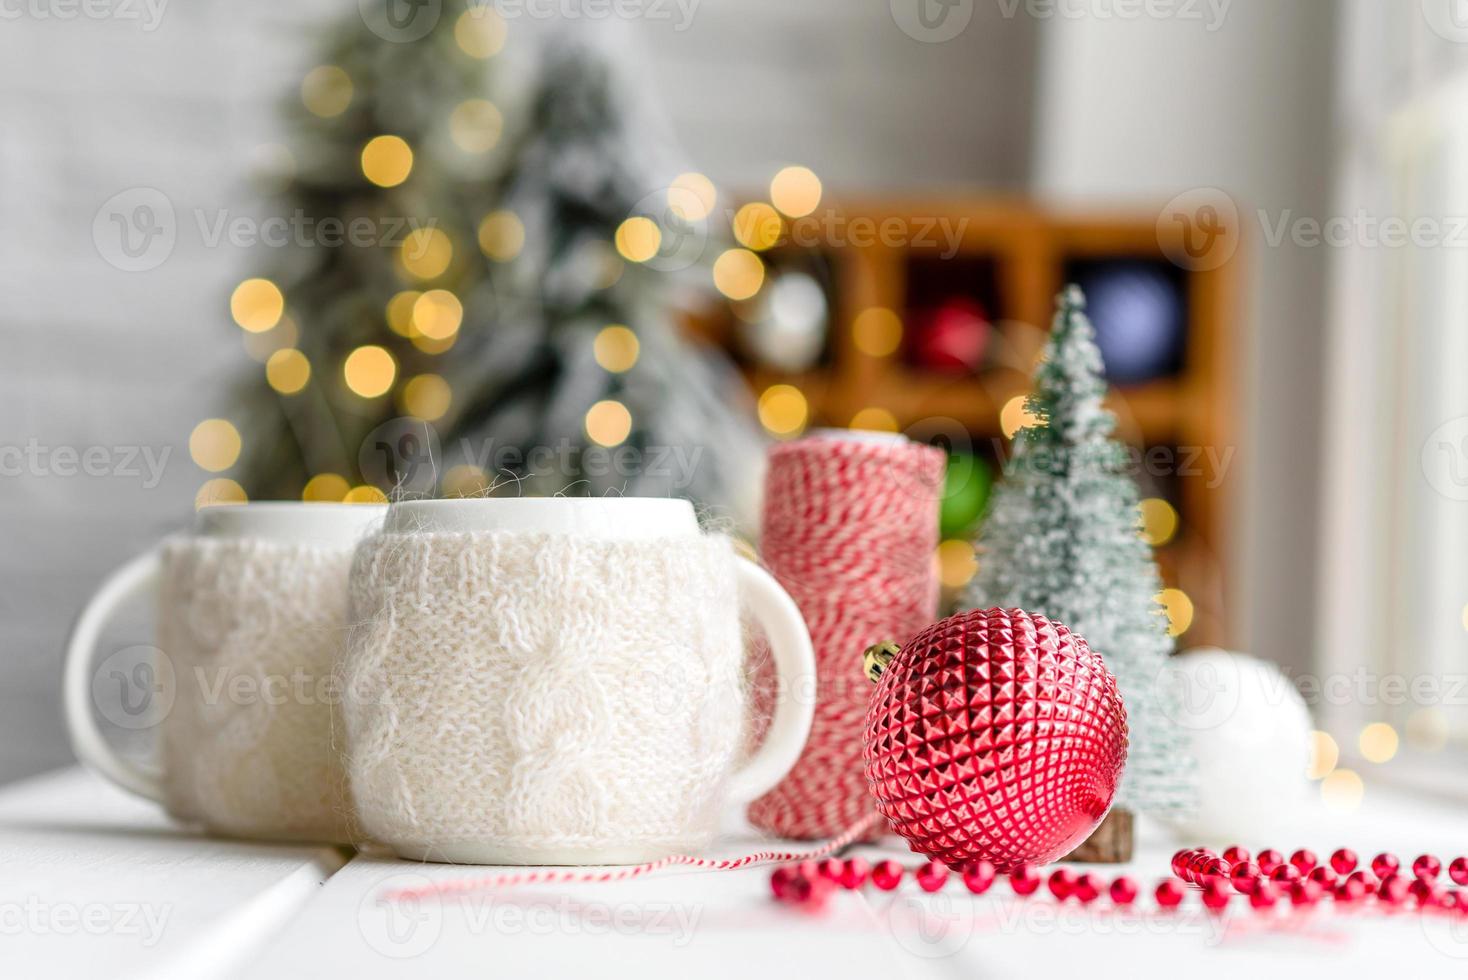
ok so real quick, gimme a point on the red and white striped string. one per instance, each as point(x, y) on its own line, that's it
point(550, 876)
point(850, 527)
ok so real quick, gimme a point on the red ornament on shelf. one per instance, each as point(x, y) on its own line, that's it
point(952, 337)
point(993, 735)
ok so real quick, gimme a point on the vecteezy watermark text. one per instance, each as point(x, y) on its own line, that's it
point(33, 458)
point(137, 229)
point(148, 13)
point(35, 917)
point(401, 926)
point(935, 21)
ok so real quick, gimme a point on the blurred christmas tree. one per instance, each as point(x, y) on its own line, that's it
point(510, 327)
point(1063, 538)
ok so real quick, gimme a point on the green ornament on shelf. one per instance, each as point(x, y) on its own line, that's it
point(966, 487)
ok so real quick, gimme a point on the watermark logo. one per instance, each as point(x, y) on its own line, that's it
point(683, 230)
point(1445, 459)
point(932, 21)
point(1446, 932)
point(400, 917)
point(400, 21)
point(1199, 696)
point(1447, 18)
point(135, 687)
point(930, 926)
point(402, 453)
point(135, 230)
point(1199, 229)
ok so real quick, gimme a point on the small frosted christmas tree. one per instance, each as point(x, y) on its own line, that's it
point(1063, 538)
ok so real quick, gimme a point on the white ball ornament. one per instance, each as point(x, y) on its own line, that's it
point(1250, 734)
point(789, 328)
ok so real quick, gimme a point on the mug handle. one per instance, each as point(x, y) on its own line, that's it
point(135, 580)
point(795, 667)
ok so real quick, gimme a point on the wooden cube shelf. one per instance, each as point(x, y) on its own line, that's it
point(1014, 257)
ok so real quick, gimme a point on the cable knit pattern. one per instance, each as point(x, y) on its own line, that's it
point(253, 629)
point(542, 693)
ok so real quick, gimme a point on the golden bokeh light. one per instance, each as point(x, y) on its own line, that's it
point(501, 235)
point(758, 226)
point(261, 345)
point(1465, 617)
point(638, 239)
point(1159, 521)
point(1378, 742)
point(1427, 729)
point(364, 494)
point(692, 196)
point(434, 345)
point(326, 91)
point(387, 160)
point(957, 563)
point(480, 31)
point(876, 331)
point(425, 253)
point(325, 488)
point(738, 273)
point(426, 397)
point(369, 371)
point(874, 419)
point(256, 305)
point(287, 371)
point(437, 314)
point(400, 312)
point(783, 410)
point(1179, 610)
point(1342, 791)
point(1015, 415)
point(465, 480)
point(796, 191)
point(608, 423)
point(616, 348)
point(1324, 754)
point(218, 492)
point(475, 125)
point(214, 445)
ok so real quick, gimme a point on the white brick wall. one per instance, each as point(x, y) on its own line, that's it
point(93, 356)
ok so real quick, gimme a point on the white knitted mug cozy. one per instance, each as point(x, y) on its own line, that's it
point(557, 681)
point(251, 624)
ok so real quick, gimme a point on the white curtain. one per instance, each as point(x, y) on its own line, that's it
point(1394, 562)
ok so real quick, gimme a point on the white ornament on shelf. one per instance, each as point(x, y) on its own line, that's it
point(1250, 734)
point(788, 331)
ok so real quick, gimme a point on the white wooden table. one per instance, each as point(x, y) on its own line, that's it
point(96, 884)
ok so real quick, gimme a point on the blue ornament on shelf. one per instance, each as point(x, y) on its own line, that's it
point(1140, 315)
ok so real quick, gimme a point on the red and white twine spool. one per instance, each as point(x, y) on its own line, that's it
point(850, 526)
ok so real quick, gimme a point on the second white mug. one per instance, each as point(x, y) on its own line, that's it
point(559, 681)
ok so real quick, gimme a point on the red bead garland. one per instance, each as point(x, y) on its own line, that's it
point(1302, 881)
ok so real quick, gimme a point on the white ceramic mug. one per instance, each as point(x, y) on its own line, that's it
point(250, 617)
point(559, 680)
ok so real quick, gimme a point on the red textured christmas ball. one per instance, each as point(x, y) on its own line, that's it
point(994, 735)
